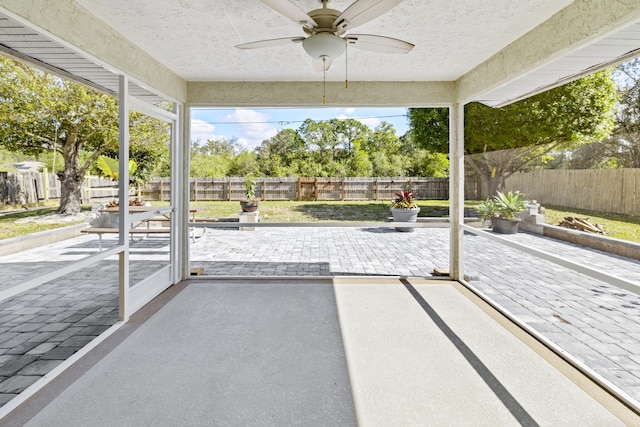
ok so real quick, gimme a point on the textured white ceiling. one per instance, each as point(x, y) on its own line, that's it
point(196, 38)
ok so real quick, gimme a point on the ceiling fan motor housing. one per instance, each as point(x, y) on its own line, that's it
point(324, 45)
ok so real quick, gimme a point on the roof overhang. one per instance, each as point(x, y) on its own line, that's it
point(585, 37)
point(68, 39)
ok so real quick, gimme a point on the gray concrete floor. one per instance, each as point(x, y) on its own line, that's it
point(594, 322)
point(316, 353)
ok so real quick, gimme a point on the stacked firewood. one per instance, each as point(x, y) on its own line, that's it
point(582, 224)
point(132, 202)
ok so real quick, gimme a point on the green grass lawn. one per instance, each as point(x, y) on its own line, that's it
point(292, 211)
point(624, 227)
point(10, 228)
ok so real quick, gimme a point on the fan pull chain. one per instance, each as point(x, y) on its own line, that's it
point(346, 65)
point(324, 79)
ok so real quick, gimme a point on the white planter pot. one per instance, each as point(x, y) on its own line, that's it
point(405, 215)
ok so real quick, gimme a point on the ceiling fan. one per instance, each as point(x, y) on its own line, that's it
point(326, 29)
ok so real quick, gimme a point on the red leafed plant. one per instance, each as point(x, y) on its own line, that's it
point(404, 200)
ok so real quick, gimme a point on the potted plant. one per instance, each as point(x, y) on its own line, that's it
point(506, 205)
point(250, 202)
point(404, 209)
point(487, 210)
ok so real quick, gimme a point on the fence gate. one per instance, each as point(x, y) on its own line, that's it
point(307, 189)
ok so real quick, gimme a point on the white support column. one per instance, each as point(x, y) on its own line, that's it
point(182, 172)
point(456, 190)
point(123, 189)
point(177, 230)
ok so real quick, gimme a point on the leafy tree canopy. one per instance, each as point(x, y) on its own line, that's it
point(345, 148)
point(623, 148)
point(576, 113)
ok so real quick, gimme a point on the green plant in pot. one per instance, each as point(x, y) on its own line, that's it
point(250, 202)
point(487, 210)
point(404, 209)
point(506, 205)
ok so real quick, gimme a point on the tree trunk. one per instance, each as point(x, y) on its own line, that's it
point(490, 174)
point(70, 192)
point(71, 177)
point(494, 184)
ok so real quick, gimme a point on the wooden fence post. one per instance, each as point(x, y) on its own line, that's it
point(87, 181)
point(264, 189)
point(375, 189)
point(315, 189)
point(45, 183)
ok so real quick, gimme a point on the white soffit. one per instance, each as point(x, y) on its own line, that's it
point(25, 44)
point(622, 45)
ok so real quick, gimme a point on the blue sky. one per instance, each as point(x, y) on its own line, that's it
point(252, 126)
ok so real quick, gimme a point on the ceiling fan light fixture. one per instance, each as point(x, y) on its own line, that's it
point(324, 45)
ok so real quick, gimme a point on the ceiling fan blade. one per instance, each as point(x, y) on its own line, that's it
point(291, 11)
point(378, 43)
point(362, 11)
point(319, 65)
point(270, 42)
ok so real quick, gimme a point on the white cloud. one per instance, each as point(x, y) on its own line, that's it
point(244, 143)
point(252, 127)
point(202, 131)
point(372, 122)
point(349, 110)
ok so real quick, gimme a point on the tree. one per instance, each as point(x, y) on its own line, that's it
point(281, 154)
point(346, 148)
point(148, 147)
point(597, 155)
point(501, 141)
point(217, 147)
point(41, 113)
point(623, 148)
point(388, 156)
point(348, 132)
point(320, 140)
point(244, 164)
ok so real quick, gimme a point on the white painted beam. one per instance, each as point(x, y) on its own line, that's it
point(310, 94)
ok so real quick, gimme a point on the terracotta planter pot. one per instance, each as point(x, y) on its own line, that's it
point(405, 215)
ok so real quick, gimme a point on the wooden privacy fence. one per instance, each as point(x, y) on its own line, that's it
point(603, 190)
point(19, 188)
point(304, 189)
